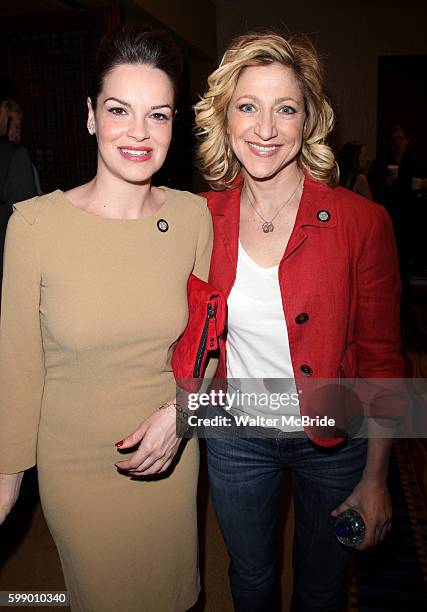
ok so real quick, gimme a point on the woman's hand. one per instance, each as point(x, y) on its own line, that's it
point(371, 499)
point(159, 444)
point(9, 492)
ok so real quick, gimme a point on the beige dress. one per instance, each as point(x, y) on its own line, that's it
point(90, 308)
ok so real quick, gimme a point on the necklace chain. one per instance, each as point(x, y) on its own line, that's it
point(267, 226)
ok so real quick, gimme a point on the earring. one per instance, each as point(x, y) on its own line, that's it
point(91, 131)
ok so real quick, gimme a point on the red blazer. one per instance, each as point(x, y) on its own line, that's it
point(339, 281)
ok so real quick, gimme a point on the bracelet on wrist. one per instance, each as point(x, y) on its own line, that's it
point(169, 405)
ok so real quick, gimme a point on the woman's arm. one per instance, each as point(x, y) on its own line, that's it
point(22, 369)
point(370, 496)
point(377, 335)
point(21, 359)
point(157, 434)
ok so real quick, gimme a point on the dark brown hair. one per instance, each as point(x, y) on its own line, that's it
point(134, 43)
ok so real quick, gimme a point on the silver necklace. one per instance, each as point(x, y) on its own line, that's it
point(267, 226)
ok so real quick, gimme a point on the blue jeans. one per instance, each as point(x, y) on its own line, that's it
point(246, 479)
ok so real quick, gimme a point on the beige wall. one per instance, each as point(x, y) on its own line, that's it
point(350, 36)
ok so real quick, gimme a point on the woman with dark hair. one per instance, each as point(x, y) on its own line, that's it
point(95, 294)
point(353, 163)
point(309, 270)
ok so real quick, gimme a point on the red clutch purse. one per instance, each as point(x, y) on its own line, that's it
point(202, 336)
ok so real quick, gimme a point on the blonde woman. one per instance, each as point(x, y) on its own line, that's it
point(310, 273)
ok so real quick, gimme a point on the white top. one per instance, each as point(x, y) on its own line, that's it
point(257, 340)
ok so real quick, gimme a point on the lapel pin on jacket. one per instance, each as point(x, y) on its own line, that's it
point(323, 215)
point(162, 225)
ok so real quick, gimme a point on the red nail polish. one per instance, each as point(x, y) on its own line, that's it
point(119, 443)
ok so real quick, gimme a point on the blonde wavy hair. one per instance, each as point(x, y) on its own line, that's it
point(215, 157)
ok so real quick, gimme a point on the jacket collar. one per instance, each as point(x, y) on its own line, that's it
point(316, 209)
point(225, 208)
point(316, 197)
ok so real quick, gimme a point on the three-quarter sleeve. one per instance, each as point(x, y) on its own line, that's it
point(377, 328)
point(204, 246)
point(21, 352)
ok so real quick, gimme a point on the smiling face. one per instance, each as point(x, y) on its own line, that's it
point(133, 121)
point(266, 120)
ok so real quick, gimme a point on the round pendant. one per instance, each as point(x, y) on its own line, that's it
point(267, 227)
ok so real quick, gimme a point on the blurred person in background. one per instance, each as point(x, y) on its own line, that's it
point(390, 176)
point(16, 172)
point(14, 129)
point(353, 163)
point(390, 179)
point(14, 132)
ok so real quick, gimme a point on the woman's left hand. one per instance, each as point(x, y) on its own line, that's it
point(159, 444)
point(371, 499)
